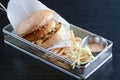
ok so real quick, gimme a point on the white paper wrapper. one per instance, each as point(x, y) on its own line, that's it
point(18, 10)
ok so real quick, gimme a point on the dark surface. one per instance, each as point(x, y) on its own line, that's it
point(100, 17)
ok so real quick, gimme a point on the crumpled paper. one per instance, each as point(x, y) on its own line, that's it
point(18, 10)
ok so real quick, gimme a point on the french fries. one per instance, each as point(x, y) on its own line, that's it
point(75, 52)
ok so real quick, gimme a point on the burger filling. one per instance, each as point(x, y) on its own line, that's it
point(44, 33)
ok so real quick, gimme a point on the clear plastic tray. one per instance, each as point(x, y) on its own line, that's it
point(55, 61)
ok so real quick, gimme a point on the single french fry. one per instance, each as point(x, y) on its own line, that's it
point(72, 36)
point(78, 39)
point(45, 55)
point(61, 51)
point(56, 50)
point(52, 50)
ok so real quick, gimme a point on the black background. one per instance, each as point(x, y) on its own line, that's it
point(101, 17)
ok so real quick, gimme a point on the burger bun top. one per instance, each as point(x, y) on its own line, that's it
point(34, 22)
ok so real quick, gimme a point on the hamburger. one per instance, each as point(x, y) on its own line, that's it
point(40, 28)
